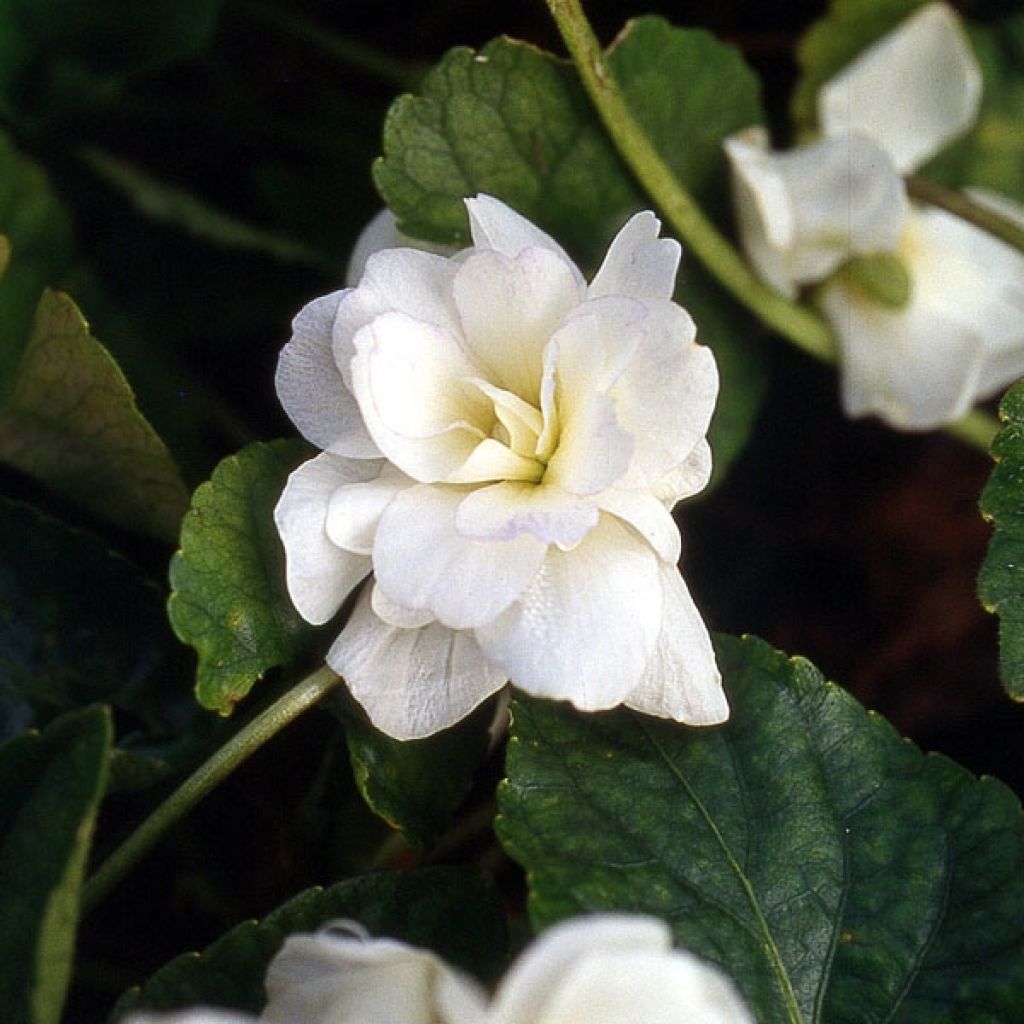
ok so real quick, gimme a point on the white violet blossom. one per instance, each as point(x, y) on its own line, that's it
point(502, 445)
point(959, 336)
point(602, 969)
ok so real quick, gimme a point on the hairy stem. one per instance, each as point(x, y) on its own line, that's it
point(238, 749)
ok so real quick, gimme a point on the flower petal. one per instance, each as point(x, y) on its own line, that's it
point(197, 1015)
point(803, 213)
point(379, 234)
point(412, 682)
point(394, 614)
point(682, 681)
point(422, 562)
point(638, 263)
point(690, 477)
point(585, 627)
point(496, 226)
point(507, 510)
point(343, 977)
point(509, 308)
point(410, 379)
point(319, 575)
point(914, 91)
point(649, 517)
point(355, 509)
point(526, 990)
point(312, 389)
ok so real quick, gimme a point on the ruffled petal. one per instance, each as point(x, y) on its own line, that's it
point(197, 1015)
point(638, 263)
point(682, 681)
point(496, 226)
point(409, 281)
point(923, 365)
point(914, 91)
point(355, 509)
point(394, 614)
point(312, 389)
point(340, 976)
point(509, 308)
point(412, 682)
point(410, 378)
point(585, 627)
point(649, 517)
point(803, 213)
point(690, 477)
point(379, 234)
point(507, 510)
point(422, 562)
point(318, 574)
point(525, 992)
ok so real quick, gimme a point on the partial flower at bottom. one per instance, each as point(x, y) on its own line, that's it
point(603, 969)
point(502, 445)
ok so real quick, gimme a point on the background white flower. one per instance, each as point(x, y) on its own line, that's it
point(960, 335)
point(602, 969)
point(502, 447)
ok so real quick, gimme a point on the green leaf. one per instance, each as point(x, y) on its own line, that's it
point(71, 422)
point(833, 870)
point(1001, 580)
point(50, 788)
point(80, 625)
point(229, 600)
point(453, 911)
point(39, 241)
point(849, 27)
point(514, 122)
point(415, 786)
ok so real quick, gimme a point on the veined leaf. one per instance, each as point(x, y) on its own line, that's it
point(1001, 580)
point(834, 871)
point(229, 600)
point(71, 422)
point(453, 911)
point(50, 788)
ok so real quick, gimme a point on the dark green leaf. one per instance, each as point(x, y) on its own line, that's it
point(50, 787)
point(1001, 580)
point(453, 911)
point(837, 873)
point(849, 27)
point(39, 241)
point(229, 600)
point(80, 625)
point(514, 122)
point(415, 786)
point(71, 422)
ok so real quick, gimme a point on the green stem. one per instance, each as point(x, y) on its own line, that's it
point(239, 748)
point(800, 325)
point(403, 75)
point(797, 323)
point(963, 206)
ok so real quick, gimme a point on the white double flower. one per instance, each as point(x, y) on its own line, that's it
point(959, 337)
point(603, 969)
point(502, 445)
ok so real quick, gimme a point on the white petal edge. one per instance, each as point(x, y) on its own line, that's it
point(355, 509)
point(329, 977)
point(411, 682)
point(638, 263)
point(312, 388)
point(682, 681)
point(382, 233)
point(319, 575)
point(585, 627)
point(650, 517)
point(913, 91)
point(196, 1015)
point(421, 561)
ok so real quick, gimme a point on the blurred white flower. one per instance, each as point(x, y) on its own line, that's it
point(502, 448)
point(959, 337)
point(603, 969)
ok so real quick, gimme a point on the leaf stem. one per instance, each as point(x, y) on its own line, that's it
point(238, 749)
point(403, 75)
point(801, 326)
point(797, 323)
point(967, 209)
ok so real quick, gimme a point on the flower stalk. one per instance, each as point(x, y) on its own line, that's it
point(218, 767)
